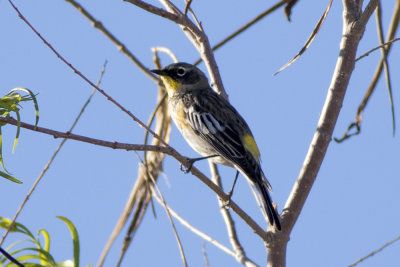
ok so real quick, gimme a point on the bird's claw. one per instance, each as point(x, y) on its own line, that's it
point(227, 203)
point(187, 170)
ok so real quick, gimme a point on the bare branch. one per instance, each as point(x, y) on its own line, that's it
point(83, 76)
point(187, 7)
point(195, 34)
point(196, 231)
point(384, 45)
point(164, 149)
point(164, 204)
point(341, 76)
point(288, 8)
point(384, 53)
point(200, 41)
point(166, 51)
point(203, 248)
point(121, 47)
point(353, 30)
point(240, 254)
point(140, 195)
point(309, 40)
point(244, 27)
point(47, 166)
point(375, 251)
point(156, 10)
point(68, 135)
point(371, 88)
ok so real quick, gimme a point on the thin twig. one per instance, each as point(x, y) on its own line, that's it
point(244, 27)
point(167, 210)
point(187, 7)
point(288, 8)
point(386, 44)
point(394, 23)
point(203, 248)
point(351, 37)
point(240, 254)
point(309, 40)
point(375, 251)
point(36, 183)
point(165, 50)
point(210, 63)
point(68, 135)
point(121, 47)
point(384, 53)
point(164, 149)
point(197, 231)
point(157, 11)
point(354, 22)
point(83, 76)
point(200, 40)
point(195, 34)
point(140, 195)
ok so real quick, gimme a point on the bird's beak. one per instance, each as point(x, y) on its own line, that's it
point(159, 72)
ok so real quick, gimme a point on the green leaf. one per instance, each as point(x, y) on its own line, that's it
point(31, 264)
point(46, 237)
point(9, 177)
point(31, 97)
point(18, 130)
point(17, 227)
point(75, 239)
point(42, 255)
point(1, 152)
point(24, 258)
point(10, 101)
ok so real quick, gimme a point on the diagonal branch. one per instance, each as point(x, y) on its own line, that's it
point(83, 76)
point(354, 22)
point(384, 53)
point(47, 166)
point(164, 149)
point(194, 33)
point(140, 195)
point(240, 254)
point(157, 11)
point(121, 47)
point(394, 23)
point(352, 34)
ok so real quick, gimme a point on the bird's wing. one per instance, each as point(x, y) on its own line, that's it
point(219, 134)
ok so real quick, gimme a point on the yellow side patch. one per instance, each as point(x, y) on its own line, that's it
point(171, 85)
point(251, 146)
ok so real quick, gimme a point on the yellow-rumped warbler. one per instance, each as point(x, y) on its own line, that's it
point(213, 127)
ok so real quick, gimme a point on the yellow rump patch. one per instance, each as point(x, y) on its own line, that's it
point(251, 146)
point(171, 85)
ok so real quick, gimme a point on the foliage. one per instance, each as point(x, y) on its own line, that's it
point(10, 103)
point(39, 251)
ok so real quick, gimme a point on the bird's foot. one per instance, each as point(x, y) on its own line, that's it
point(191, 161)
point(227, 203)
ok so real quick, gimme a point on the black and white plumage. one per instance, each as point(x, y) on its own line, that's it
point(212, 126)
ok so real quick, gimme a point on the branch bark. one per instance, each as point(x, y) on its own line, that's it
point(354, 22)
point(194, 33)
point(164, 149)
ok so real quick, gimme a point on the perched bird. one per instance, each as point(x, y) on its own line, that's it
point(214, 128)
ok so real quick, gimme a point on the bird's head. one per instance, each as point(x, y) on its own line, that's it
point(182, 76)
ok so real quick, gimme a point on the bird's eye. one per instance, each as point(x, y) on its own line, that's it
point(181, 72)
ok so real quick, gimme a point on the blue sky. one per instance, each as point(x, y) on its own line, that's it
point(352, 208)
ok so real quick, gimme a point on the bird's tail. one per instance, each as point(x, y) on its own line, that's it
point(273, 216)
